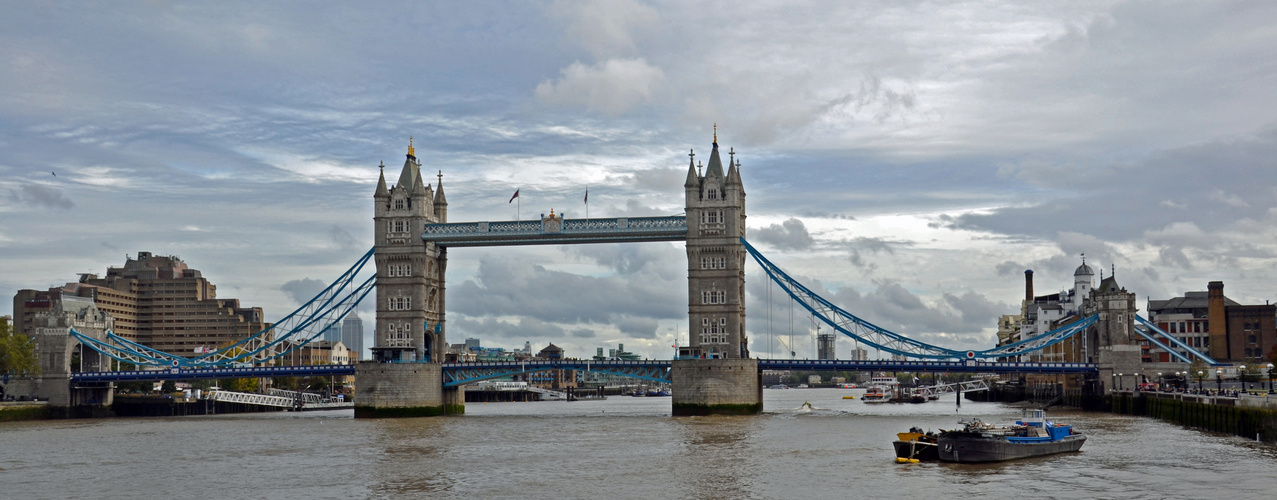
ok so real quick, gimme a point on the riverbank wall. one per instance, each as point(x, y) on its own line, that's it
point(15, 411)
point(1223, 415)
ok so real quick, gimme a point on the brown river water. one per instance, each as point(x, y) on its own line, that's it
point(623, 447)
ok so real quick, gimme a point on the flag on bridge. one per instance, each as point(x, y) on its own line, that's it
point(516, 195)
point(587, 196)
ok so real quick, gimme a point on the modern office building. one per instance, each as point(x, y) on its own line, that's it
point(352, 335)
point(156, 301)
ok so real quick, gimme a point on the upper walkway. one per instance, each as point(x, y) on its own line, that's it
point(557, 231)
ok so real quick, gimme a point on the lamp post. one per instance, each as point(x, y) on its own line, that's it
point(1199, 380)
point(1159, 381)
point(1219, 380)
point(1119, 380)
point(1241, 375)
point(1270, 378)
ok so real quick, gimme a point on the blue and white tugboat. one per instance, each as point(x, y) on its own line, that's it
point(1031, 436)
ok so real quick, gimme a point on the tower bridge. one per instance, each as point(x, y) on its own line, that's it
point(410, 375)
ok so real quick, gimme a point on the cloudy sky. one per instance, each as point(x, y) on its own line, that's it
point(911, 159)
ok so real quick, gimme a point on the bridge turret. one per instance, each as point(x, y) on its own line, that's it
point(410, 272)
point(441, 203)
point(715, 260)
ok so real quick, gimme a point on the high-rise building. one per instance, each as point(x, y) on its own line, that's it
point(352, 334)
point(825, 346)
point(156, 301)
point(333, 334)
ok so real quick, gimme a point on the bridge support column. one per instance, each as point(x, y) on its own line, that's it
point(716, 387)
point(394, 390)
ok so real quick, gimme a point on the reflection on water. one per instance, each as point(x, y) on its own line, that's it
point(619, 448)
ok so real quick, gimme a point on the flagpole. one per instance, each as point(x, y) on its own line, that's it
point(587, 202)
point(518, 214)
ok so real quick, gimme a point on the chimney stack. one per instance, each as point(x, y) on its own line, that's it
point(1217, 321)
point(1028, 286)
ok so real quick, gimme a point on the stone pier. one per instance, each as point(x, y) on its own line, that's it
point(717, 387)
point(393, 390)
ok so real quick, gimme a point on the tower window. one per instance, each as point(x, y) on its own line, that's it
point(713, 194)
point(399, 204)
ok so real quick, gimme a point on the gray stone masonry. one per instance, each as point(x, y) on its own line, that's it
point(404, 390)
point(717, 387)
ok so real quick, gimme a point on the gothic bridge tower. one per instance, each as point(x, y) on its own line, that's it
point(715, 204)
point(405, 377)
point(410, 273)
point(714, 374)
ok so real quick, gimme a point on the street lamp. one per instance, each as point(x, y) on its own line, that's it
point(1270, 378)
point(1199, 380)
point(1119, 380)
point(1159, 381)
point(1241, 375)
point(1219, 380)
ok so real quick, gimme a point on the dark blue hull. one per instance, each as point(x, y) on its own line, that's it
point(969, 447)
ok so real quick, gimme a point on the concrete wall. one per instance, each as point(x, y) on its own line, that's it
point(387, 390)
point(717, 387)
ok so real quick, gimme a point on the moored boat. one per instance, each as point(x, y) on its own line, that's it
point(915, 446)
point(876, 394)
point(1032, 436)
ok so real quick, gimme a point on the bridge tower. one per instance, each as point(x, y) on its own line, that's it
point(715, 205)
point(714, 374)
point(1112, 338)
point(405, 377)
point(410, 272)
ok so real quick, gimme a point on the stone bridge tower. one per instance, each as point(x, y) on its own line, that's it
point(410, 273)
point(714, 374)
point(1111, 341)
point(715, 259)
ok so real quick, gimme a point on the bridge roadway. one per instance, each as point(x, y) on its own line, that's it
point(456, 374)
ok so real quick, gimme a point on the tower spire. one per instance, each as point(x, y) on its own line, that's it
point(411, 152)
point(715, 135)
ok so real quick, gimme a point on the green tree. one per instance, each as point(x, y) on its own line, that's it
point(168, 386)
point(241, 385)
point(17, 352)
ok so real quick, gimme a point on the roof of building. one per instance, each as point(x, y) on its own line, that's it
point(1190, 300)
point(1084, 270)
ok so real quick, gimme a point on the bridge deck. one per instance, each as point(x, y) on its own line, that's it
point(655, 370)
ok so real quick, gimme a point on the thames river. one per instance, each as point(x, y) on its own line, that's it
point(623, 447)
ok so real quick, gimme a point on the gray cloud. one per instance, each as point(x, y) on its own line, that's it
point(41, 196)
point(507, 287)
point(790, 234)
point(302, 290)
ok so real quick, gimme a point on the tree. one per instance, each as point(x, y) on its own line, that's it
point(168, 386)
point(241, 385)
point(17, 352)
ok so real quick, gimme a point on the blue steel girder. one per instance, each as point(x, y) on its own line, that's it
point(211, 373)
point(455, 374)
point(868, 333)
point(557, 231)
point(965, 366)
point(1148, 329)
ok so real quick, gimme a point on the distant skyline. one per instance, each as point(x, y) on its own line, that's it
point(911, 159)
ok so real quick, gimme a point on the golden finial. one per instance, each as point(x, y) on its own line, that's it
point(411, 152)
point(715, 133)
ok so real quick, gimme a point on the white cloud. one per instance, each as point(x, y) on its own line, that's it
point(612, 87)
